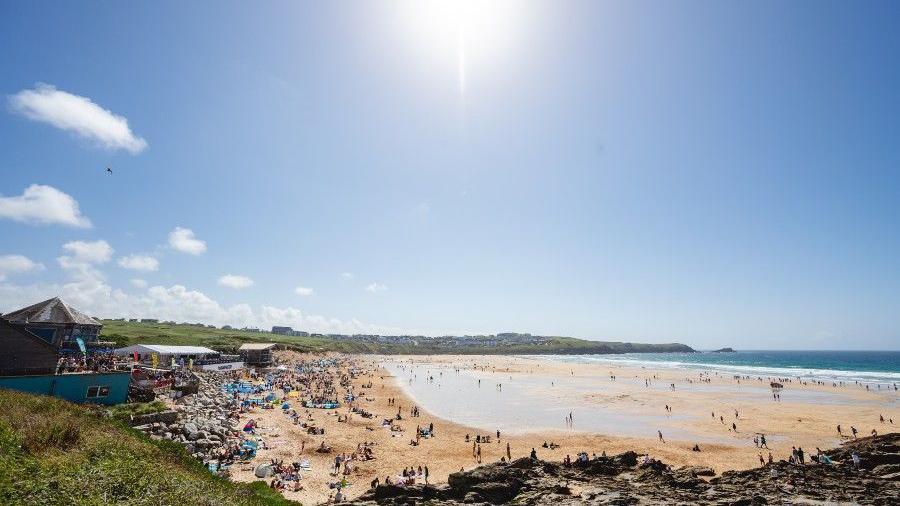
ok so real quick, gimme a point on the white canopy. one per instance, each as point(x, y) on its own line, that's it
point(164, 349)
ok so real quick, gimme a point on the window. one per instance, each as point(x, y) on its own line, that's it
point(97, 391)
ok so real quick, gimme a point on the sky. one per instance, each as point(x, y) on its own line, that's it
point(711, 173)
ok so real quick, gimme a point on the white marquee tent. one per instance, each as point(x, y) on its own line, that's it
point(166, 353)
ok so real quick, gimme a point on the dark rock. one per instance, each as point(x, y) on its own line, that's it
point(619, 480)
point(698, 470)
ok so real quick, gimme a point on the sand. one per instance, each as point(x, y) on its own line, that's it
point(807, 416)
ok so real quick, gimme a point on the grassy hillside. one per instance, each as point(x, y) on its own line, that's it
point(128, 333)
point(53, 452)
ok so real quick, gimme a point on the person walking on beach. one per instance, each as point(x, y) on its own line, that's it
point(426, 474)
point(479, 454)
point(762, 442)
point(508, 453)
point(839, 430)
point(854, 431)
point(660, 436)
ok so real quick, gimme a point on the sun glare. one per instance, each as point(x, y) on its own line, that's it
point(463, 34)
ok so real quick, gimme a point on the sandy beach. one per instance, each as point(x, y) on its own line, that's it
point(614, 409)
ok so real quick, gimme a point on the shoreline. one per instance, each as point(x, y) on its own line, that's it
point(448, 452)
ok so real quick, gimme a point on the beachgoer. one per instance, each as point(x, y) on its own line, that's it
point(533, 454)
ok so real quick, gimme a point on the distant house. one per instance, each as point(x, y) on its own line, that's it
point(285, 331)
point(258, 354)
point(57, 323)
point(149, 320)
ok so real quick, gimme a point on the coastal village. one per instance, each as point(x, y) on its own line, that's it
point(324, 427)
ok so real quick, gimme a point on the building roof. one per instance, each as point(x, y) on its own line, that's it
point(164, 349)
point(256, 346)
point(50, 311)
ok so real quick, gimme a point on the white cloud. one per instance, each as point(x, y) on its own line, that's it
point(78, 115)
point(304, 291)
point(94, 252)
point(177, 303)
point(347, 275)
point(16, 264)
point(375, 287)
point(144, 263)
point(43, 204)
point(182, 239)
point(235, 281)
point(138, 283)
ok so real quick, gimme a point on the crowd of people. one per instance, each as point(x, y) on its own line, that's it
point(93, 361)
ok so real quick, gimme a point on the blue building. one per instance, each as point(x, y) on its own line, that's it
point(97, 388)
point(33, 339)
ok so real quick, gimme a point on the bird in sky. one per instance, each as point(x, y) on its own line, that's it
point(109, 170)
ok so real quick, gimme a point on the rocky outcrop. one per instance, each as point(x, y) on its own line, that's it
point(625, 479)
point(200, 422)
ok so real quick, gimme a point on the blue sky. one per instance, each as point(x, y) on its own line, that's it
point(713, 173)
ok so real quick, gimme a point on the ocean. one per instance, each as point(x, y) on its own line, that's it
point(847, 366)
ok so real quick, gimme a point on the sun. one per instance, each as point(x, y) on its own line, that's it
point(464, 34)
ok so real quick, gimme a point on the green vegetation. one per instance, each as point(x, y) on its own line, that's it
point(54, 452)
point(127, 333)
point(124, 412)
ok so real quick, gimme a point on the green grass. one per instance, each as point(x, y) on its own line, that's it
point(56, 453)
point(123, 412)
point(128, 333)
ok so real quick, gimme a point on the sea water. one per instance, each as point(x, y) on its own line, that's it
point(876, 367)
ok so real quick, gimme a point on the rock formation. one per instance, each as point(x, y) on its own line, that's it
point(626, 479)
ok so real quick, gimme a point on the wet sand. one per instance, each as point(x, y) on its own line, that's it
point(530, 408)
